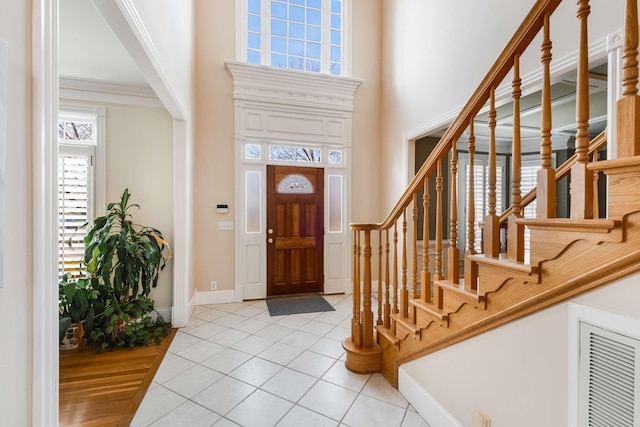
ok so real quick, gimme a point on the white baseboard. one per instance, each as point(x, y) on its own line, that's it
point(423, 402)
point(214, 297)
point(165, 312)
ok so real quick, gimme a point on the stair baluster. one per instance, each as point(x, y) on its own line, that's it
point(414, 252)
point(471, 268)
point(387, 304)
point(425, 276)
point(581, 176)
point(367, 314)
point(404, 296)
point(438, 273)
point(380, 279)
point(491, 231)
point(546, 184)
point(356, 331)
point(515, 231)
point(453, 261)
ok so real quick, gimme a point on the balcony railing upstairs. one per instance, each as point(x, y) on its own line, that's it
point(414, 290)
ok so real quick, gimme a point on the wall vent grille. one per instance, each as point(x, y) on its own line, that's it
point(608, 378)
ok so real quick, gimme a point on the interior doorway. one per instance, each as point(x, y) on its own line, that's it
point(295, 230)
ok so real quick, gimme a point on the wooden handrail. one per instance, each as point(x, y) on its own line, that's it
point(596, 144)
point(527, 31)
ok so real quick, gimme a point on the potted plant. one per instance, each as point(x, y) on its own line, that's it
point(78, 306)
point(125, 259)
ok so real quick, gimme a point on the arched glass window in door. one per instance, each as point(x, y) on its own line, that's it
point(295, 184)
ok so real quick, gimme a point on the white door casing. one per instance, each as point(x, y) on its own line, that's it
point(279, 107)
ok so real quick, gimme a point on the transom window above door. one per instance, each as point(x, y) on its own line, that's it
point(296, 34)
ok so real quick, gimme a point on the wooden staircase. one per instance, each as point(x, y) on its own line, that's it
point(424, 306)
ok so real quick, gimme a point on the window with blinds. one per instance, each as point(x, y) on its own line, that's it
point(481, 194)
point(76, 151)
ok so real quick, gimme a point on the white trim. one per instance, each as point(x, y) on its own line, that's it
point(182, 220)
point(124, 20)
point(108, 93)
point(165, 312)
point(427, 406)
point(214, 297)
point(44, 410)
point(603, 319)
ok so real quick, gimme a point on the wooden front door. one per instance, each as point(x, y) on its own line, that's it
point(295, 230)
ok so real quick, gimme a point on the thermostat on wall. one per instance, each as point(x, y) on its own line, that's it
point(222, 209)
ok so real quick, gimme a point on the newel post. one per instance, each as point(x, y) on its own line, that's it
point(628, 106)
point(363, 352)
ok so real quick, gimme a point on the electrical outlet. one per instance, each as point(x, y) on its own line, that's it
point(225, 225)
point(478, 419)
point(214, 285)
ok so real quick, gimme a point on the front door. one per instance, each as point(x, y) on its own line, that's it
point(295, 230)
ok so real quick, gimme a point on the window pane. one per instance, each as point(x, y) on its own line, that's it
point(313, 50)
point(300, 2)
point(294, 154)
point(296, 47)
point(314, 17)
point(335, 203)
point(253, 57)
point(335, 157)
point(254, 7)
point(278, 27)
point(336, 6)
point(296, 31)
point(296, 63)
point(313, 33)
point(253, 194)
point(313, 65)
point(296, 13)
point(252, 151)
point(278, 10)
point(278, 60)
point(336, 69)
point(314, 3)
point(336, 37)
point(254, 41)
point(336, 21)
point(254, 23)
point(278, 44)
point(336, 54)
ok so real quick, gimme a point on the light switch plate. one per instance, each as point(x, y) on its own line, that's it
point(225, 225)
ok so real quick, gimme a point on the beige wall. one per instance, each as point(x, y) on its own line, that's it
point(214, 150)
point(16, 296)
point(139, 157)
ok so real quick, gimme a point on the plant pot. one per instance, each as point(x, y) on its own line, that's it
point(73, 337)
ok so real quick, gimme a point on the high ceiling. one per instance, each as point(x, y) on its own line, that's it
point(88, 49)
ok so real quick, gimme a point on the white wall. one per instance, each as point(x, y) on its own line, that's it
point(436, 53)
point(16, 296)
point(139, 157)
point(517, 374)
point(170, 24)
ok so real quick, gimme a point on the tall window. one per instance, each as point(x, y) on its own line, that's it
point(296, 34)
point(77, 139)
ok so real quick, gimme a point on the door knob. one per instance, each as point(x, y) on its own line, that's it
point(270, 231)
point(269, 240)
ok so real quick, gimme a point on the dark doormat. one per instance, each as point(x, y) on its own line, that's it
point(297, 305)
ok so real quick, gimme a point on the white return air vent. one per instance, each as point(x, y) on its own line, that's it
point(609, 379)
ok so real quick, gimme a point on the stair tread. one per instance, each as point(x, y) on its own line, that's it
point(456, 288)
point(387, 333)
point(406, 323)
point(603, 225)
point(429, 308)
point(503, 261)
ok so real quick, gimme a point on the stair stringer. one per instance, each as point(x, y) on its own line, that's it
point(581, 267)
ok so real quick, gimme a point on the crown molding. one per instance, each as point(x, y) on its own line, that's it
point(108, 93)
point(261, 83)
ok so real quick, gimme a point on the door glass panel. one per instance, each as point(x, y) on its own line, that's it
point(296, 184)
point(253, 193)
point(335, 203)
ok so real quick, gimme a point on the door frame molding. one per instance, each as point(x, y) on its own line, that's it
point(280, 106)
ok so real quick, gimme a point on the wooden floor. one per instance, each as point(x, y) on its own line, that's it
point(106, 389)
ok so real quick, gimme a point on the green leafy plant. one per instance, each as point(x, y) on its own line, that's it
point(125, 259)
point(78, 303)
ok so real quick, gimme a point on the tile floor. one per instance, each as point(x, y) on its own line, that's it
point(235, 365)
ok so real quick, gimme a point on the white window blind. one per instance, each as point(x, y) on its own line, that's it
point(76, 156)
point(481, 194)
